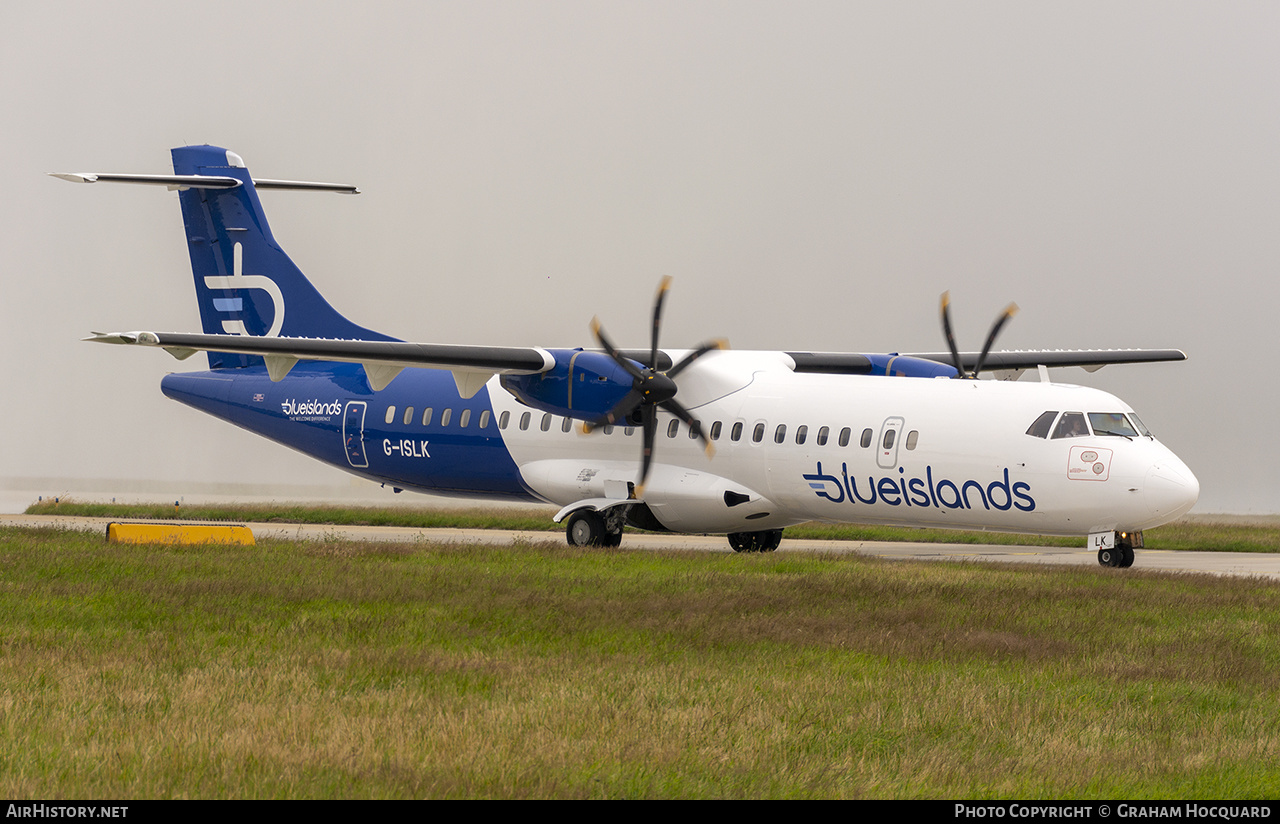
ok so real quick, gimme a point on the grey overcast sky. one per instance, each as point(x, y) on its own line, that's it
point(813, 175)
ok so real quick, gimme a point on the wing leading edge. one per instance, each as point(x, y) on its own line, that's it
point(472, 366)
point(1089, 359)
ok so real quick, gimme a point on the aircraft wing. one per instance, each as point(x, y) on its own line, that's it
point(472, 366)
point(1090, 359)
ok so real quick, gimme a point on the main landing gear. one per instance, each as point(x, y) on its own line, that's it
point(587, 527)
point(1121, 555)
point(766, 540)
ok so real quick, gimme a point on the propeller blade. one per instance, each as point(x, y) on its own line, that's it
point(598, 331)
point(951, 338)
point(657, 320)
point(1009, 311)
point(650, 388)
point(709, 346)
point(649, 423)
point(693, 423)
point(621, 409)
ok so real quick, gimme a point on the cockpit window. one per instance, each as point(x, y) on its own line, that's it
point(1141, 427)
point(1071, 425)
point(1040, 429)
point(1111, 423)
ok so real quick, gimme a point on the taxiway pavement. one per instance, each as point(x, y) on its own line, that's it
point(1215, 563)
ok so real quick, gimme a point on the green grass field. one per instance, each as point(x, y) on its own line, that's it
point(340, 670)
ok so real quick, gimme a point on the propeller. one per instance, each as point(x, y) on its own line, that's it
point(1009, 311)
point(650, 389)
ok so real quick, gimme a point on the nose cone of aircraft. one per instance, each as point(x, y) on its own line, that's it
point(1170, 490)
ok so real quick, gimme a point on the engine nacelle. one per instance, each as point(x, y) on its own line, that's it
point(904, 366)
point(582, 385)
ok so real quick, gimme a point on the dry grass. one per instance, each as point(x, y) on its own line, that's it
point(341, 670)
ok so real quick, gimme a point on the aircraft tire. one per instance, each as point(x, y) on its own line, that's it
point(766, 540)
point(1109, 557)
point(586, 528)
point(1126, 557)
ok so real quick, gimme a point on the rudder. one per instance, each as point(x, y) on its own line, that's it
point(245, 283)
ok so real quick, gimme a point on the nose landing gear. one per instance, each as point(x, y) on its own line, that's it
point(1121, 554)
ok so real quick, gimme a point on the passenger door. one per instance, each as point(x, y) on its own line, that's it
point(353, 434)
point(887, 446)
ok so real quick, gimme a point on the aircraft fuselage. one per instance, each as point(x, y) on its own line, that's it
point(789, 447)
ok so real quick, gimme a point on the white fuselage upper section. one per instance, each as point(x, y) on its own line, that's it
point(792, 447)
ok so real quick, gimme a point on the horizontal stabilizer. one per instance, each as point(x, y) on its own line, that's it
point(171, 181)
point(183, 182)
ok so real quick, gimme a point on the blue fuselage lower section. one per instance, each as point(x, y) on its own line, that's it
point(327, 411)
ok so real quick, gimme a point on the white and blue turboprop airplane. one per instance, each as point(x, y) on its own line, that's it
point(733, 442)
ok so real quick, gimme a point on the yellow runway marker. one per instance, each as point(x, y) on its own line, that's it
point(179, 534)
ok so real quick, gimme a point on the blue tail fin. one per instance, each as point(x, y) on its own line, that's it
point(245, 283)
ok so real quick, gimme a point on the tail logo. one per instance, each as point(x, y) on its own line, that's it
point(239, 280)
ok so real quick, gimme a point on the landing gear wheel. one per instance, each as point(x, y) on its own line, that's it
point(764, 541)
point(1121, 555)
point(586, 528)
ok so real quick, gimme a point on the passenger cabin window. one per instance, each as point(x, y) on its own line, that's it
point(465, 418)
point(673, 427)
point(445, 416)
point(504, 419)
point(715, 431)
point(889, 436)
point(391, 414)
point(912, 438)
point(1111, 423)
point(757, 434)
point(1071, 426)
point(546, 422)
point(408, 415)
point(524, 421)
point(1040, 426)
point(735, 434)
point(426, 416)
point(844, 436)
point(780, 434)
point(867, 435)
point(484, 419)
point(566, 425)
point(695, 430)
point(802, 432)
point(822, 435)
